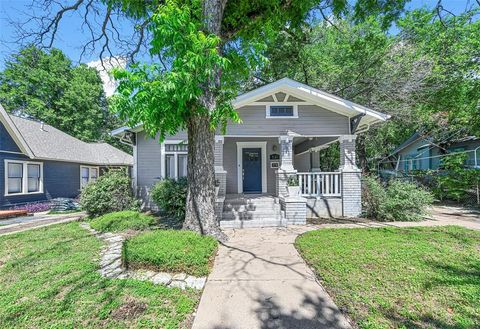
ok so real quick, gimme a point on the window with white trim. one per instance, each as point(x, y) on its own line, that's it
point(282, 111)
point(175, 160)
point(23, 177)
point(88, 174)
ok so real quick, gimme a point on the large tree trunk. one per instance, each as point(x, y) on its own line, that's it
point(200, 211)
point(200, 208)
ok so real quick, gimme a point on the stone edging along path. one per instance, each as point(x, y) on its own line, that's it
point(111, 265)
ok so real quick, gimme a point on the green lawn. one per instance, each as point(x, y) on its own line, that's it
point(48, 278)
point(400, 277)
point(121, 221)
point(171, 251)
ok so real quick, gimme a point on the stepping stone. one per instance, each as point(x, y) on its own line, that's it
point(195, 283)
point(162, 278)
point(179, 277)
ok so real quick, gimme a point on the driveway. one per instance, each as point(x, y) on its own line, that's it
point(260, 281)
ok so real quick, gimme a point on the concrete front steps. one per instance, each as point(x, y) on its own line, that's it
point(252, 210)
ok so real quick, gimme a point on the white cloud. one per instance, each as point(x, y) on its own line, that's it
point(109, 84)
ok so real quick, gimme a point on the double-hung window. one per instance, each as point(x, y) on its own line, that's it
point(175, 160)
point(88, 174)
point(23, 177)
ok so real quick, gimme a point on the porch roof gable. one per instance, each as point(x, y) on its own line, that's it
point(314, 96)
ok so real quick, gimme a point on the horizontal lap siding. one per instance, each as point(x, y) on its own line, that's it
point(312, 121)
point(6, 141)
point(148, 160)
point(60, 179)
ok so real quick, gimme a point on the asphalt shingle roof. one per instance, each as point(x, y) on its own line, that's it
point(47, 142)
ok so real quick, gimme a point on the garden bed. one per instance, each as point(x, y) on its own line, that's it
point(399, 277)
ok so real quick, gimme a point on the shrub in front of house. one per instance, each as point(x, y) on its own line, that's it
point(170, 196)
point(111, 192)
point(397, 201)
point(122, 220)
point(171, 251)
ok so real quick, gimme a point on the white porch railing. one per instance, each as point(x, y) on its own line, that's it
point(316, 184)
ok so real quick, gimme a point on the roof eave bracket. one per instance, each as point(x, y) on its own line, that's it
point(355, 122)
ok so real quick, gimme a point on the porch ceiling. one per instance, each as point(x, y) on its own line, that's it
point(305, 144)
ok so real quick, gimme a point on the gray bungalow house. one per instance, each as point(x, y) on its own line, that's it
point(39, 162)
point(282, 124)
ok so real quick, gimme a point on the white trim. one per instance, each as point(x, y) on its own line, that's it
point(163, 152)
point(268, 116)
point(24, 177)
point(11, 152)
point(89, 173)
point(135, 166)
point(240, 147)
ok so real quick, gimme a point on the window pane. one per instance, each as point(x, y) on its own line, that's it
point(93, 174)
point(84, 176)
point(15, 170)
point(281, 111)
point(85, 171)
point(182, 165)
point(15, 175)
point(14, 185)
point(33, 172)
point(176, 147)
point(170, 166)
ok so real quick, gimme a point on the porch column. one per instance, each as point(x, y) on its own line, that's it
point(351, 177)
point(220, 173)
point(220, 176)
point(286, 164)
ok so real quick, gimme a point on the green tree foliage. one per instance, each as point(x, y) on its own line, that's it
point(46, 86)
point(454, 181)
point(425, 76)
point(452, 47)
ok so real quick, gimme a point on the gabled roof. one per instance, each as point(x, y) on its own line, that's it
point(315, 96)
point(429, 141)
point(302, 91)
point(44, 142)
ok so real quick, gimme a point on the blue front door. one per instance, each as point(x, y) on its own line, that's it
point(252, 170)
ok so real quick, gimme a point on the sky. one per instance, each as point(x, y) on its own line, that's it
point(72, 35)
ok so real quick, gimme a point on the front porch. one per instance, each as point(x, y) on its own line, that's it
point(253, 173)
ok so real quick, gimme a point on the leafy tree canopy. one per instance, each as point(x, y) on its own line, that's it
point(193, 56)
point(46, 86)
point(426, 76)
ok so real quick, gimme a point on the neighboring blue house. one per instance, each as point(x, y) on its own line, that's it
point(423, 153)
point(39, 162)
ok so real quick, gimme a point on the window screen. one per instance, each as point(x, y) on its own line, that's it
point(182, 165)
point(33, 172)
point(170, 166)
point(15, 177)
point(281, 111)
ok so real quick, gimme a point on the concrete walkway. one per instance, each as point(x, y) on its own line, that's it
point(20, 224)
point(260, 281)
